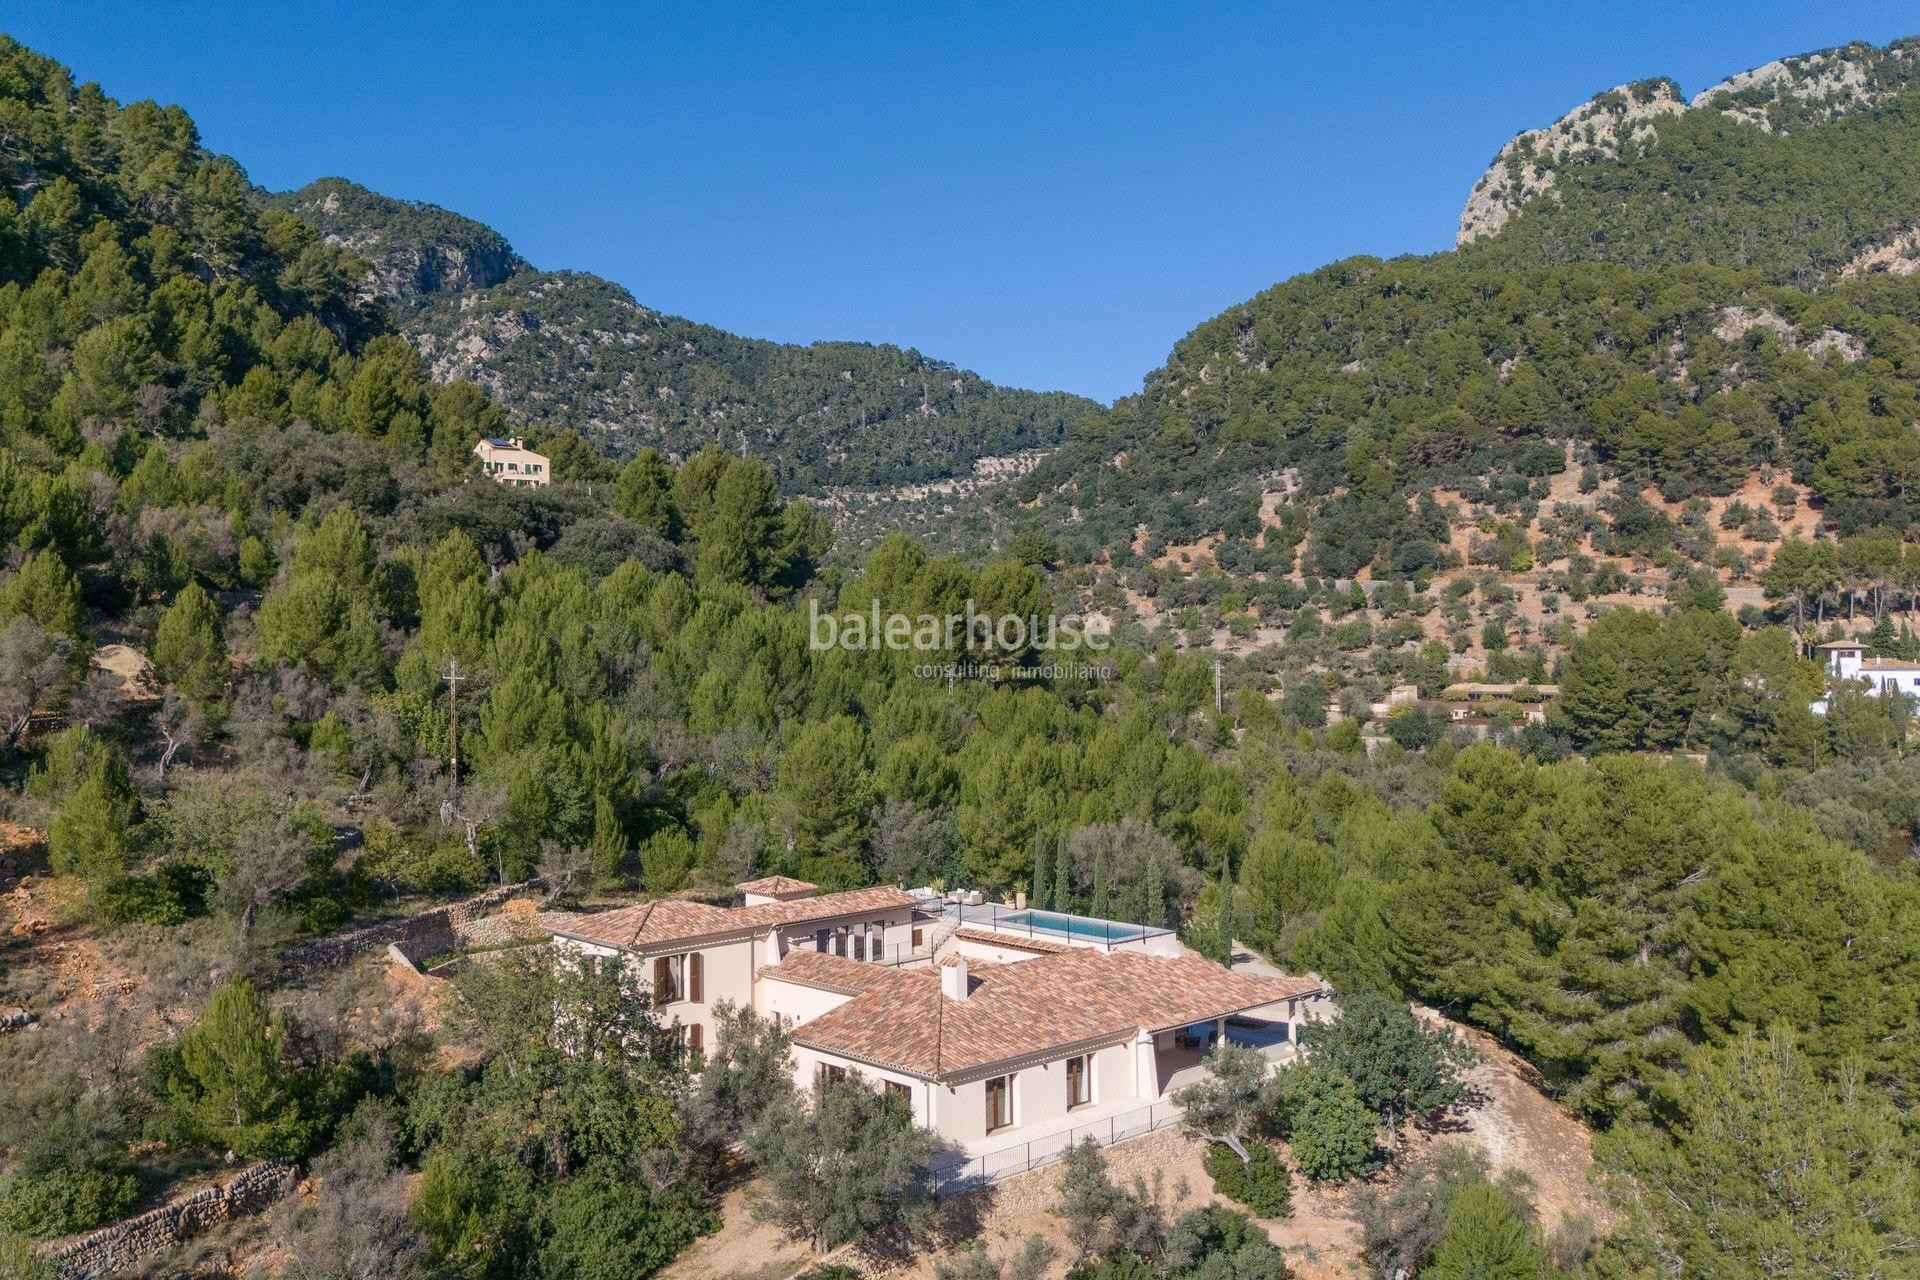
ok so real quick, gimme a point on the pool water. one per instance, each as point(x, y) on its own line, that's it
point(1078, 926)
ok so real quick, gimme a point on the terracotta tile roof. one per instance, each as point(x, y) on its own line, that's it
point(671, 920)
point(1012, 941)
point(642, 924)
point(899, 1019)
point(776, 886)
point(826, 906)
point(834, 973)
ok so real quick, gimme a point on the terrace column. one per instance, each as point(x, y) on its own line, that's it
point(1146, 1066)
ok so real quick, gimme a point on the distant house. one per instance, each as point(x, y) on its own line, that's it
point(1848, 660)
point(1470, 702)
point(511, 463)
point(998, 1027)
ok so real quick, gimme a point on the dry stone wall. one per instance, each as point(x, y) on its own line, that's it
point(471, 922)
point(125, 1245)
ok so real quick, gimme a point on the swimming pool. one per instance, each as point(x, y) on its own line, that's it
point(1077, 926)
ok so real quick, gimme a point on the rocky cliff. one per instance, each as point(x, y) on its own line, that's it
point(413, 248)
point(1780, 97)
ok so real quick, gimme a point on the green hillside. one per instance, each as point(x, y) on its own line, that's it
point(1793, 173)
point(1675, 318)
point(571, 351)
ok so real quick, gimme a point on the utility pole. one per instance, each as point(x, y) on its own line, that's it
point(453, 679)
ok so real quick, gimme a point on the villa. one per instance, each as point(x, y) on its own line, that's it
point(1847, 660)
point(997, 1026)
point(511, 463)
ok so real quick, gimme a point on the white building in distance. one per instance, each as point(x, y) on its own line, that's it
point(1848, 660)
point(511, 463)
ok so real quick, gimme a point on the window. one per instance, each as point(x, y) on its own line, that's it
point(919, 937)
point(823, 940)
point(693, 1040)
point(895, 1091)
point(827, 1074)
point(1079, 1082)
point(669, 973)
point(999, 1103)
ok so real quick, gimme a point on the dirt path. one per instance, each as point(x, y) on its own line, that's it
point(1519, 1127)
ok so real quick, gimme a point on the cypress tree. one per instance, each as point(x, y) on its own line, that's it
point(1156, 913)
point(1037, 894)
point(1062, 876)
point(608, 848)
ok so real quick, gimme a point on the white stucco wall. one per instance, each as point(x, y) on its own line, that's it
point(726, 974)
point(795, 1001)
point(807, 1063)
point(989, 952)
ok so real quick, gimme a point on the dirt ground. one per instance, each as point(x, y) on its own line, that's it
point(1519, 1127)
point(742, 1249)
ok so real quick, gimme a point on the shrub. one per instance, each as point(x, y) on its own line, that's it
point(1330, 1128)
point(600, 1227)
point(1259, 1182)
point(61, 1201)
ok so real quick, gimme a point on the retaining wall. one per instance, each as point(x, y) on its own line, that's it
point(471, 922)
point(126, 1244)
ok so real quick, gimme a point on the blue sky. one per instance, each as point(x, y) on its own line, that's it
point(1049, 194)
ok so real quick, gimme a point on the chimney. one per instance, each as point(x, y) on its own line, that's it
point(953, 978)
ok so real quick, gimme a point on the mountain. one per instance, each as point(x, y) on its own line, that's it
point(1795, 168)
point(566, 350)
point(1681, 296)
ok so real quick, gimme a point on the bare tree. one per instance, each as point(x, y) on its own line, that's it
point(472, 808)
point(270, 859)
point(356, 1227)
point(180, 724)
point(566, 869)
point(34, 663)
point(97, 699)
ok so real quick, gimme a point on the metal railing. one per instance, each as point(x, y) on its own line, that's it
point(878, 953)
point(964, 1174)
point(1020, 920)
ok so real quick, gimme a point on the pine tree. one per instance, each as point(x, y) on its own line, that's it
point(1100, 907)
point(1485, 1240)
point(188, 652)
point(89, 838)
point(229, 1084)
point(46, 591)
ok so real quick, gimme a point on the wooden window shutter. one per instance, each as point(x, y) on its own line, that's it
point(696, 980)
